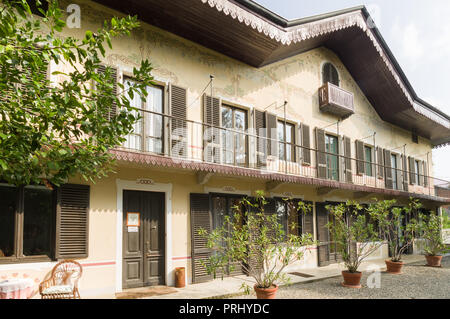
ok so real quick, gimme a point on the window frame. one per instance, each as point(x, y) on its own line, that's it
point(164, 127)
point(322, 69)
point(371, 164)
point(416, 172)
point(394, 169)
point(300, 223)
point(19, 224)
point(328, 156)
point(233, 108)
point(284, 143)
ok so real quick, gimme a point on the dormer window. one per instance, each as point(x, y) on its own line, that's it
point(330, 74)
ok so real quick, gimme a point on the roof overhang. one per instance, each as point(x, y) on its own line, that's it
point(250, 33)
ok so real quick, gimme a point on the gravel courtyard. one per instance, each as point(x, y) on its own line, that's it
point(416, 282)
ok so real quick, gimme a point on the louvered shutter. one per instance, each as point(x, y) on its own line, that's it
point(405, 173)
point(321, 159)
point(425, 173)
point(261, 132)
point(200, 219)
point(72, 221)
point(112, 110)
point(178, 109)
point(269, 210)
point(360, 165)
point(211, 113)
point(412, 170)
point(306, 143)
point(348, 160)
point(380, 162)
point(398, 173)
point(271, 121)
point(388, 169)
point(308, 221)
point(322, 234)
point(43, 76)
point(420, 182)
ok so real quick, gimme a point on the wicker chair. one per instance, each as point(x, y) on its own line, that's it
point(63, 282)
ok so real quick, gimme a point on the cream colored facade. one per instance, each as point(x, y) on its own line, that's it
point(186, 64)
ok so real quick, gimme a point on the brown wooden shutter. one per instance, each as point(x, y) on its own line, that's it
point(398, 173)
point(72, 221)
point(308, 221)
point(405, 173)
point(200, 218)
point(321, 159)
point(211, 113)
point(261, 143)
point(322, 234)
point(306, 143)
point(412, 170)
point(178, 109)
point(271, 121)
point(380, 162)
point(360, 164)
point(270, 209)
point(388, 169)
point(420, 182)
point(348, 160)
point(425, 173)
point(113, 108)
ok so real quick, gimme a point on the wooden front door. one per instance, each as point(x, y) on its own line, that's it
point(143, 239)
point(327, 247)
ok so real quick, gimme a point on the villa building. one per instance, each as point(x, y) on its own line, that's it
point(316, 109)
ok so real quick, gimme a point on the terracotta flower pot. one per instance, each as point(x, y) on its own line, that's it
point(394, 267)
point(352, 279)
point(433, 261)
point(266, 293)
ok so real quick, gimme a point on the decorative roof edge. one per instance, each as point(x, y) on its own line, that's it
point(304, 29)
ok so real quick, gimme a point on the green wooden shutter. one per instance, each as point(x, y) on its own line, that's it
point(348, 160)
point(112, 111)
point(72, 221)
point(306, 143)
point(178, 109)
point(200, 219)
point(321, 159)
point(360, 165)
point(211, 116)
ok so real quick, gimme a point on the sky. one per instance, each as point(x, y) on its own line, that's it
point(418, 34)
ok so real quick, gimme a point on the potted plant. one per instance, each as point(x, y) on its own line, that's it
point(433, 244)
point(257, 242)
point(356, 238)
point(398, 227)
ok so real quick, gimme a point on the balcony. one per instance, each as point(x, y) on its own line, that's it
point(209, 149)
point(334, 100)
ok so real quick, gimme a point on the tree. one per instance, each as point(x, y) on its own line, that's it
point(52, 131)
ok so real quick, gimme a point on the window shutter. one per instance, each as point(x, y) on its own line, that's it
point(348, 160)
point(306, 143)
point(388, 169)
point(425, 173)
point(261, 132)
point(270, 209)
point(420, 182)
point(320, 154)
point(178, 109)
point(405, 173)
point(200, 218)
point(308, 221)
point(211, 114)
point(322, 234)
point(398, 173)
point(72, 221)
point(380, 162)
point(360, 164)
point(412, 170)
point(271, 121)
point(113, 71)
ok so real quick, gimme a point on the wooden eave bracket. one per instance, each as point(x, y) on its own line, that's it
point(203, 177)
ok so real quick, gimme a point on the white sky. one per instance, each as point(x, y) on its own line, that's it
point(418, 34)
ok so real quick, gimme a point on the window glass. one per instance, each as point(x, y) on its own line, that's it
point(154, 122)
point(394, 170)
point(38, 225)
point(8, 197)
point(331, 146)
point(416, 163)
point(134, 139)
point(286, 137)
point(234, 143)
point(330, 74)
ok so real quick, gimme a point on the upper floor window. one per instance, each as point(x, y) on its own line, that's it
point(331, 147)
point(330, 74)
point(234, 142)
point(394, 171)
point(368, 160)
point(416, 164)
point(148, 131)
point(286, 138)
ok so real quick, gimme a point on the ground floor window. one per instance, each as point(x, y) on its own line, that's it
point(27, 219)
